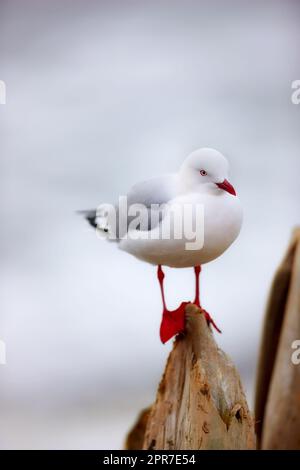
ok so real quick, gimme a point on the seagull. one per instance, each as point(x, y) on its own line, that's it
point(200, 183)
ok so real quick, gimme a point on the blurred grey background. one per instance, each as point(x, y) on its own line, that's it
point(101, 95)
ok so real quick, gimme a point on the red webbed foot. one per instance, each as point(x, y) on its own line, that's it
point(173, 322)
point(209, 319)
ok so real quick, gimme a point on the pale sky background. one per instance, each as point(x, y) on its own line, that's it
point(101, 95)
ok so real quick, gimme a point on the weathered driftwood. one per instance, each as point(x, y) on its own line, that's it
point(135, 438)
point(200, 402)
point(277, 408)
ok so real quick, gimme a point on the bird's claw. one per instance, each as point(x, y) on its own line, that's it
point(173, 322)
point(209, 320)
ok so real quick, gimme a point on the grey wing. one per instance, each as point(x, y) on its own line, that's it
point(157, 190)
point(152, 194)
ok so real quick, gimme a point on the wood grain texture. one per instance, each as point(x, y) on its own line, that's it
point(278, 385)
point(200, 402)
point(135, 438)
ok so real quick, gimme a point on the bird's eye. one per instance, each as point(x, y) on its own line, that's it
point(203, 173)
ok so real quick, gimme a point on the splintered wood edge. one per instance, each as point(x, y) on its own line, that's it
point(200, 341)
point(271, 330)
point(217, 363)
point(282, 417)
point(196, 325)
point(135, 437)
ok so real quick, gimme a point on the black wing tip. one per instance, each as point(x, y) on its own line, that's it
point(89, 215)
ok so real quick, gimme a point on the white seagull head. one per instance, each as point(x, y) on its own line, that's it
point(205, 168)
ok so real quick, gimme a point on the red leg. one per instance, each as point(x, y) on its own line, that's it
point(209, 320)
point(173, 322)
point(197, 270)
point(161, 276)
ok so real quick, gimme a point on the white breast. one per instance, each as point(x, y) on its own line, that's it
point(221, 224)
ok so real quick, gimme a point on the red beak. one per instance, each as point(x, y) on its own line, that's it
point(227, 187)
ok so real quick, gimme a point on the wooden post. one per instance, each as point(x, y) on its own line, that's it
point(200, 403)
point(277, 407)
